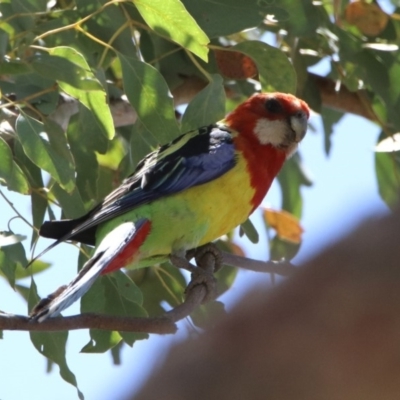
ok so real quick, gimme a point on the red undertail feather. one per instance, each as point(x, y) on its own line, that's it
point(130, 251)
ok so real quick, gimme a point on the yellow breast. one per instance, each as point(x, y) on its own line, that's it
point(193, 217)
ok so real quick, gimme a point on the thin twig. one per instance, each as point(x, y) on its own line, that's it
point(282, 268)
point(15, 210)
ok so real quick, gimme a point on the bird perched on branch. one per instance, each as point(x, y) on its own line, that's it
point(185, 194)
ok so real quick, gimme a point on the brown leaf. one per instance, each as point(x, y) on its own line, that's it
point(367, 17)
point(235, 65)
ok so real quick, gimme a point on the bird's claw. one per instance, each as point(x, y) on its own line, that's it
point(212, 249)
point(202, 277)
point(203, 273)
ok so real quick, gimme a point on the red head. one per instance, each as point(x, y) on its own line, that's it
point(277, 119)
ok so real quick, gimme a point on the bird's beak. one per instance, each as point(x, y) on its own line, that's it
point(298, 122)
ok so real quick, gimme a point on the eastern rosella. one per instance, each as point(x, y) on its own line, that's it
point(185, 194)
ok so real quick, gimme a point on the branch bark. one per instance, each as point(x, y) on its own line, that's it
point(164, 324)
point(343, 99)
point(124, 114)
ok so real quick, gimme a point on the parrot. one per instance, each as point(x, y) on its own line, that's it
point(183, 195)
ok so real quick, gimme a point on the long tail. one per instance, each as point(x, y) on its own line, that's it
point(117, 249)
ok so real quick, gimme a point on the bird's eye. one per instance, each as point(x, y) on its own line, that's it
point(273, 106)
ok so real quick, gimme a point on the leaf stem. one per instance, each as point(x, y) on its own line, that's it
point(16, 211)
point(198, 65)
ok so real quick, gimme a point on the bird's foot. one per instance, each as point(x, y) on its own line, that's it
point(211, 249)
point(209, 260)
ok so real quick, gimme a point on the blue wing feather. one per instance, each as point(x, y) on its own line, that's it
point(192, 159)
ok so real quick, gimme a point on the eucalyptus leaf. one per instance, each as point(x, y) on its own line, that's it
point(12, 255)
point(52, 344)
point(169, 18)
point(114, 294)
point(226, 17)
point(47, 149)
point(94, 99)
point(10, 171)
point(149, 95)
point(387, 168)
point(275, 70)
point(291, 178)
point(61, 69)
point(207, 107)
point(283, 250)
point(247, 228)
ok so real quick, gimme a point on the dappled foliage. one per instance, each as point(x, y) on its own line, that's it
point(67, 67)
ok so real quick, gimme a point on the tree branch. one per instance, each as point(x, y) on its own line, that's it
point(343, 99)
point(164, 324)
point(124, 114)
point(161, 325)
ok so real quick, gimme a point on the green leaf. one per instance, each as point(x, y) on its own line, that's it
point(87, 131)
point(101, 341)
point(38, 207)
point(225, 17)
point(225, 278)
point(283, 250)
point(114, 155)
point(303, 17)
point(52, 344)
point(31, 171)
point(291, 178)
point(114, 294)
point(3, 44)
point(36, 267)
point(94, 100)
point(47, 147)
point(164, 283)
point(125, 287)
point(387, 168)
point(142, 142)
point(29, 6)
point(14, 67)
point(23, 291)
point(11, 172)
point(248, 229)
point(87, 167)
point(63, 70)
point(207, 107)
point(149, 95)
point(275, 70)
point(170, 19)
point(206, 316)
point(104, 26)
point(11, 256)
point(116, 353)
point(71, 203)
point(330, 118)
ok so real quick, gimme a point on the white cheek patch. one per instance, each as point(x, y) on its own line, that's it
point(271, 132)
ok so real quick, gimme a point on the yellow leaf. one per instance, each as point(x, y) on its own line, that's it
point(286, 225)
